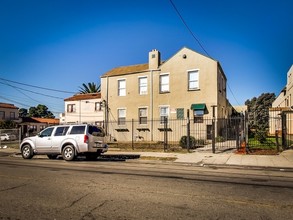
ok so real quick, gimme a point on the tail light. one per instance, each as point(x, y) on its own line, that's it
point(86, 138)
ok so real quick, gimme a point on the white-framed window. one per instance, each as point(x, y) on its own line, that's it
point(121, 116)
point(164, 83)
point(164, 112)
point(2, 115)
point(143, 85)
point(122, 87)
point(98, 106)
point(193, 79)
point(71, 108)
point(12, 115)
point(143, 115)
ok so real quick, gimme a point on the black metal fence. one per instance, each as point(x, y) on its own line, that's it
point(9, 138)
point(204, 133)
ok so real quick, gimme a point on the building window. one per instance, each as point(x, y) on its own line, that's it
point(143, 85)
point(71, 108)
point(12, 115)
point(193, 80)
point(2, 115)
point(122, 87)
point(143, 118)
point(98, 106)
point(164, 112)
point(198, 115)
point(121, 116)
point(164, 83)
point(180, 113)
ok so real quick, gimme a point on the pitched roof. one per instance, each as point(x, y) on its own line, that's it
point(7, 105)
point(86, 96)
point(123, 70)
point(40, 120)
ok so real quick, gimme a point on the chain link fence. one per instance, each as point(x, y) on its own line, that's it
point(10, 138)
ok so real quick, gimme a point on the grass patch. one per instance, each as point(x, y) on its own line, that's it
point(158, 158)
point(268, 144)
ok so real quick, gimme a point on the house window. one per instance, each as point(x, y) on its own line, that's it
point(71, 108)
point(12, 115)
point(193, 80)
point(98, 106)
point(122, 87)
point(121, 116)
point(164, 83)
point(142, 115)
point(180, 113)
point(164, 112)
point(143, 85)
point(2, 115)
point(198, 115)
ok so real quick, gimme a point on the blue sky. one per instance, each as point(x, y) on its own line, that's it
point(60, 44)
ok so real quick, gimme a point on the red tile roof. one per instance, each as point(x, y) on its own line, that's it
point(7, 105)
point(86, 96)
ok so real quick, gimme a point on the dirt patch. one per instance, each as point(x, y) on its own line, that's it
point(256, 151)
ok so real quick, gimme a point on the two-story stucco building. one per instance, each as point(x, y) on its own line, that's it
point(154, 90)
point(84, 108)
point(8, 112)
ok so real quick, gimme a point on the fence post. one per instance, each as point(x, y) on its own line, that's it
point(165, 133)
point(188, 131)
point(132, 134)
point(277, 141)
point(284, 130)
point(213, 130)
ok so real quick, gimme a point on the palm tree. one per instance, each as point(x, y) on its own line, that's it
point(89, 88)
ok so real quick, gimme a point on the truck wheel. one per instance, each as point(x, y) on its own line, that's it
point(68, 153)
point(27, 151)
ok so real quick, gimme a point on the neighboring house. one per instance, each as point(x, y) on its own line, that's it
point(32, 125)
point(84, 108)
point(8, 112)
point(283, 103)
point(154, 90)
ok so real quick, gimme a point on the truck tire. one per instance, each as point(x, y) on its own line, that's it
point(27, 152)
point(68, 153)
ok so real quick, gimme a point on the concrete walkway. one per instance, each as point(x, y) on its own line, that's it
point(201, 158)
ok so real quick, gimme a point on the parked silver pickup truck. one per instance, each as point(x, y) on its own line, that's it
point(66, 140)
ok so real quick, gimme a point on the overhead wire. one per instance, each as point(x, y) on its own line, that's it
point(197, 40)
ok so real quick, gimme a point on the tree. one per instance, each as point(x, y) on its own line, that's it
point(7, 124)
point(41, 111)
point(23, 112)
point(89, 88)
point(258, 113)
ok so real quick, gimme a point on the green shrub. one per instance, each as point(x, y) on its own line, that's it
point(261, 136)
point(220, 139)
point(193, 142)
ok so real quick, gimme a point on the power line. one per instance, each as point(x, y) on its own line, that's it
point(232, 94)
point(190, 31)
point(38, 87)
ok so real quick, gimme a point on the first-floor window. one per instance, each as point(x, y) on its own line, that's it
point(121, 116)
point(164, 113)
point(71, 108)
point(180, 113)
point(142, 115)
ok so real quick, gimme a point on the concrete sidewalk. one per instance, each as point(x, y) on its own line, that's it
point(202, 158)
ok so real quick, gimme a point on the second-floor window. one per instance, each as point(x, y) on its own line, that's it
point(98, 106)
point(143, 116)
point(2, 115)
point(121, 87)
point(143, 85)
point(71, 108)
point(164, 83)
point(12, 115)
point(193, 80)
point(121, 116)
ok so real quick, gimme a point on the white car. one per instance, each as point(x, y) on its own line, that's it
point(66, 140)
point(4, 137)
